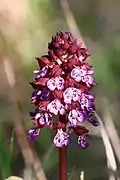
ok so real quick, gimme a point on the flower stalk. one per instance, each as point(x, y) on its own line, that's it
point(63, 156)
point(63, 163)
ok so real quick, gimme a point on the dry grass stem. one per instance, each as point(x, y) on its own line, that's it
point(110, 127)
point(70, 19)
point(111, 162)
point(82, 175)
point(31, 160)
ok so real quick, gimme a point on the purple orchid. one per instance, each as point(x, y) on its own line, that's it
point(62, 87)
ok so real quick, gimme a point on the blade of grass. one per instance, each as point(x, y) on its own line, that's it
point(11, 151)
point(2, 153)
point(4, 156)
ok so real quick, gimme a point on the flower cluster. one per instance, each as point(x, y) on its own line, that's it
point(62, 87)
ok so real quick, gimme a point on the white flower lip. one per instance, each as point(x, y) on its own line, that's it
point(71, 94)
point(57, 82)
point(56, 107)
point(61, 139)
point(75, 116)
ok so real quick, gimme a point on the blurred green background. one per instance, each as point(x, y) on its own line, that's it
point(26, 26)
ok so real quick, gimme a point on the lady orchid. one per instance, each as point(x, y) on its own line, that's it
point(62, 87)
